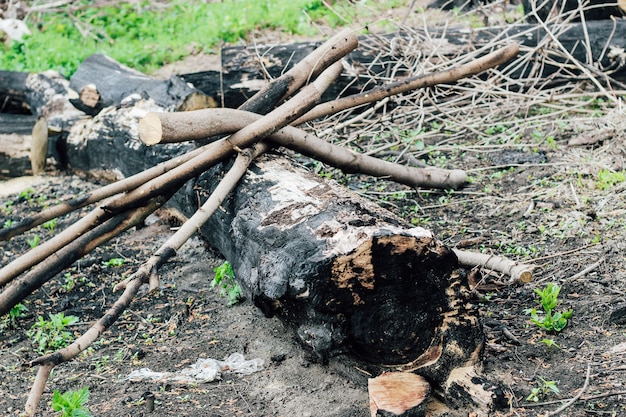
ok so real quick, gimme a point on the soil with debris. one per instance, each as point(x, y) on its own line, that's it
point(543, 202)
point(530, 213)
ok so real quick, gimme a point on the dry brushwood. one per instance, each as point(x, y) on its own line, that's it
point(151, 188)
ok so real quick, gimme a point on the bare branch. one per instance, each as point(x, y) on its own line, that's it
point(518, 272)
point(208, 122)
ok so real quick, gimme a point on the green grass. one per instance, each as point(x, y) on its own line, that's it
point(148, 35)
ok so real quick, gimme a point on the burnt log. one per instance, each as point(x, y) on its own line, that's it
point(536, 10)
point(345, 274)
point(102, 82)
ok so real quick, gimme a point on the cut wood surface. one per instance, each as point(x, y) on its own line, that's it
point(399, 394)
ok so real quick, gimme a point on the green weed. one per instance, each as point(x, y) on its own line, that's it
point(225, 281)
point(145, 36)
point(34, 241)
point(550, 343)
point(9, 320)
point(7, 223)
point(113, 262)
point(608, 179)
point(51, 334)
point(50, 225)
point(550, 320)
point(544, 387)
point(71, 403)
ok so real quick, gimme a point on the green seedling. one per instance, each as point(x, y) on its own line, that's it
point(51, 334)
point(9, 320)
point(71, 403)
point(113, 262)
point(225, 281)
point(7, 223)
point(550, 343)
point(608, 179)
point(550, 320)
point(50, 225)
point(542, 390)
point(34, 242)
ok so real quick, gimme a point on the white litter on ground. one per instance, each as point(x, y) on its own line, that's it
point(204, 370)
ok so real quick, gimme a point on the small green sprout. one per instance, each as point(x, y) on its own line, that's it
point(9, 320)
point(543, 389)
point(50, 225)
point(550, 343)
point(34, 242)
point(7, 223)
point(225, 280)
point(71, 403)
point(51, 334)
point(550, 321)
point(113, 262)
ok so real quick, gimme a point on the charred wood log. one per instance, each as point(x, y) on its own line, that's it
point(346, 274)
point(103, 82)
point(536, 10)
point(13, 92)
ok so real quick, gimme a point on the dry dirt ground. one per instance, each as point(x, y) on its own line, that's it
point(541, 202)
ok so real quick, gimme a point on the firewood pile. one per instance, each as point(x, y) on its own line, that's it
point(341, 270)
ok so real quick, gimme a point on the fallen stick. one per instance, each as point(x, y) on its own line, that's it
point(310, 67)
point(24, 285)
point(198, 124)
point(148, 271)
point(518, 272)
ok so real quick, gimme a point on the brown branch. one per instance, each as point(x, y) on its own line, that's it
point(307, 69)
point(304, 100)
point(49, 361)
point(208, 122)
point(147, 272)
point(474, 67)
point(518, 272)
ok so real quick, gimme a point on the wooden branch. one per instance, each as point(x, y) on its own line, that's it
point(48, 362)
point(307, 69)
point(283, 115)
point(518, 272)
point(333, 49)
point(36, 391)
point(476, 66)
point(211, 154)
point(194, 125)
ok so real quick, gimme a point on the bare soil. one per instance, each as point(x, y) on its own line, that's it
point(544, 205)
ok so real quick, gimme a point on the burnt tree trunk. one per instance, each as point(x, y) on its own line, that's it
point(347, 274)
point(102, 82)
